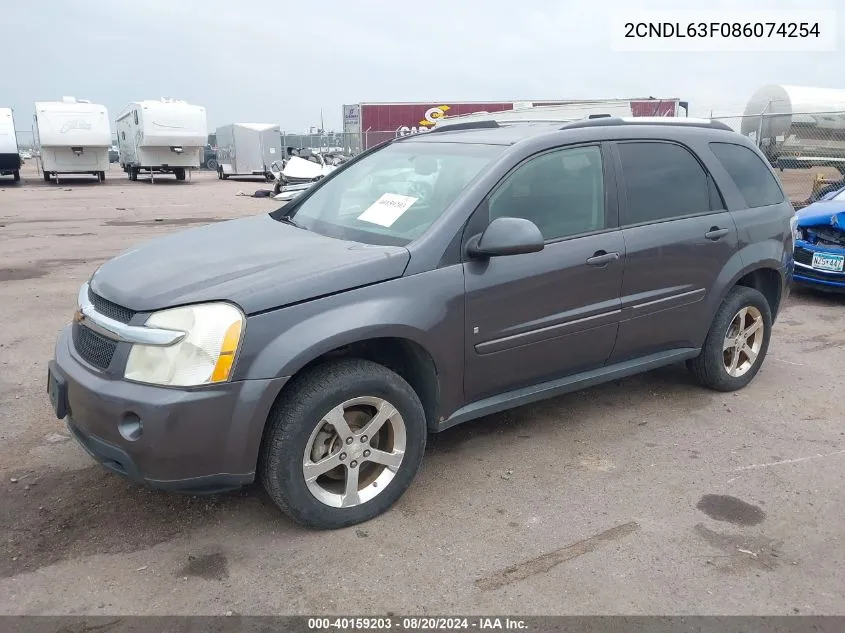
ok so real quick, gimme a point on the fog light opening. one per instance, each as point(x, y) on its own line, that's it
point(130, 427)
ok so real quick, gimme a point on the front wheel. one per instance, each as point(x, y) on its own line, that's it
point(736, 343)
point(211, 165)
point(342, 444)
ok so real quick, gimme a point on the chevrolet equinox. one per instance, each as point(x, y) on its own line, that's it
point(433, 279)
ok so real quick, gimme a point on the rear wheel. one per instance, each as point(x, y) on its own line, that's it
point(17, 175)
point(342, 444)
point(736, 343)
point(46, 176)
point(180, 173)
point(101, 176)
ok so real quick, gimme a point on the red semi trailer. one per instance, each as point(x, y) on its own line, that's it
point(368, 124)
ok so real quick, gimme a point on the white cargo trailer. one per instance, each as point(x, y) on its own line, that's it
point(10, 158)
point(248, 149)
point(72, 137)
point(798, 126)
point(164, 136)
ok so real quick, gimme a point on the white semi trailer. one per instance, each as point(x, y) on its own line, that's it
point(72, 137)
point(798, 126)
point(161, 137)
point(10, 158)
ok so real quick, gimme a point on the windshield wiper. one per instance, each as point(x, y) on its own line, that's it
point(289, 220)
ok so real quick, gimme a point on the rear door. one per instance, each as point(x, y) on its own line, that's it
point(678, 238)
point(536, 316)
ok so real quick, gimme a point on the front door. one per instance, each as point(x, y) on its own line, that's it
point(538, 316)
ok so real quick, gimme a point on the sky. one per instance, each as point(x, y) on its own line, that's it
point(283, 61)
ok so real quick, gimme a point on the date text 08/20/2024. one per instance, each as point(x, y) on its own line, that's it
point(415, 623)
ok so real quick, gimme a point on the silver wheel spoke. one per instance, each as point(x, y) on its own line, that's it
point(734, 361)
point(391, 460)
point(314, 470)
point(730, 343)
point(750, 353)
point(385, 412)
point(350, 495)
point(741, 318)
point(336, 419)
point(753, 328)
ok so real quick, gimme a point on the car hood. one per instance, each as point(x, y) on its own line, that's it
point(823, 213)
point(256, 262)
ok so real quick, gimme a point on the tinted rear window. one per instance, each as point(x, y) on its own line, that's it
point(749, 173)
point(663, 181)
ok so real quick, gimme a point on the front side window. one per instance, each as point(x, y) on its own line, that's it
point(662, 181)
point(393, 195)
point(562, 192)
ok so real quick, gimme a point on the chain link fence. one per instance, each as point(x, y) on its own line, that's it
point(807, 149)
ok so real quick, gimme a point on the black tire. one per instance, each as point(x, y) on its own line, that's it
point(17, 175)
point(46, 177)
point(708, 368)
point(211, 165)
point(133, 173)
point(219, 173)
point(180, 173)
point(101, 176)
point(224, 176)
point(293, 419)
point(277, 188)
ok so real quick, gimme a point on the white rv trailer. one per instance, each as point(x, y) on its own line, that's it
point(10, 158)
point(540, 114)
point(798, 126)
point(248, 149)
point(72, 137)
point(164, 136)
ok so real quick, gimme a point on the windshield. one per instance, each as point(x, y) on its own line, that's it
point(392, 196)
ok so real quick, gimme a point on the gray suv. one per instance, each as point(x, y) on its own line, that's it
point(434, 279)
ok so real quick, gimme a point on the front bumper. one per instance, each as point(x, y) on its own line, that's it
point(203, 439)
point(805, 275)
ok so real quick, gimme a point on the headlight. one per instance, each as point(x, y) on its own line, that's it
point(797, 233)
point(205, 355)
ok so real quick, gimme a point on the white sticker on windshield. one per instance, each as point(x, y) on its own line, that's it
point(387, 209)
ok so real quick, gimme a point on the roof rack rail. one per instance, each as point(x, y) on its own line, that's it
point(676, 121)
point(466, 125)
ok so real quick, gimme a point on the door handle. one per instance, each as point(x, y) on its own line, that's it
point(602, 258)
point(716, 233)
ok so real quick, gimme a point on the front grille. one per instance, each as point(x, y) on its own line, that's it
point(93, 348)
point(109, 309)
point(803, 256)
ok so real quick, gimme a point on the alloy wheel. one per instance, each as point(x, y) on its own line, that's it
point(354, 451)
point(743, 341)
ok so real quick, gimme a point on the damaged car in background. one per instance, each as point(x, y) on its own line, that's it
point(302, 168)
point(820, 243)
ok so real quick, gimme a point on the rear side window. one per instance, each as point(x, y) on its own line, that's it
point(662, 181)
point(751, 176)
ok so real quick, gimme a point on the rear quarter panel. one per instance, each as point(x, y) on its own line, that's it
point(764, 233)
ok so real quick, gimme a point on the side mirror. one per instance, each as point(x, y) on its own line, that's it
point(506, 236)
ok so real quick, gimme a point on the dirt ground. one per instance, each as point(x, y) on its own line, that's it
point(644, 496)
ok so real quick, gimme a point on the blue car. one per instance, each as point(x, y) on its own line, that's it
point(820, 243)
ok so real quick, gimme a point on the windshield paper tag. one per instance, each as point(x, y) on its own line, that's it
point(387, 209)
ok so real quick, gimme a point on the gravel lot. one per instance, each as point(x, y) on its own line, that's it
point(645, 496)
